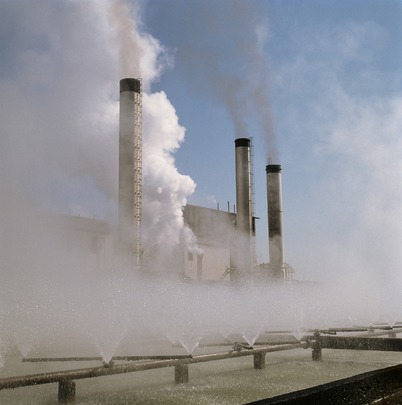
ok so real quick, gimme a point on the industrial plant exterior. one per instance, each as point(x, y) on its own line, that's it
point(94, 241)
point(225, 239)
point(214, 229)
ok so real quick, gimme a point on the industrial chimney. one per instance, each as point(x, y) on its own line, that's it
point(275, 219)
point(130, 169)
point(243, 262)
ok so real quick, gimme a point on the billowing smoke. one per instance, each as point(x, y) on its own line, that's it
point(57, 122)
point(59, 117)
point(57, 144)
point(58, 149)
point(165, 189)
point(140, 55)
point(257, 83)
point(59, 155)
point(242, 86)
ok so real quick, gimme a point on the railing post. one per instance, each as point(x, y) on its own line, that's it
point(181, 373)
point(259, 361)
point(66, 391)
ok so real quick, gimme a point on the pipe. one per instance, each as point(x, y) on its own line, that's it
point(243, 206)
point(275, 220)
point(46, 378)
point(361, 343)
point(114, 358)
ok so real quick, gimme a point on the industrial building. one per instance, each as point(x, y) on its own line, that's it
point(225, 239)
point(215, 232)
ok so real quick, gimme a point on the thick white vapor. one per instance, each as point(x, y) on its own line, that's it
point(59, 82)
point(165, 191)
point(140, 54)
point(59, 75)
point(353, 123)
point(366, 142)
point(57, 121)
point(59, 117)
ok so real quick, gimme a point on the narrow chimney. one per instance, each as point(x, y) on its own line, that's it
point(130, 168)
point(243, 206)
point(275, 219)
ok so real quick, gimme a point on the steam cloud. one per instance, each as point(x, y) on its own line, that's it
point(58, 150)
point(165, 190)
point(140, 55)
point(59, 153)
point(59, 120)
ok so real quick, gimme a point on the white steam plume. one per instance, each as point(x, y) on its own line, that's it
point(59, 115)
point(165, 191)
point(57, 143)
point(140, 54)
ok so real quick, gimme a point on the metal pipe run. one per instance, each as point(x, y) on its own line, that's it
point(57, 376)
point(319, 342)
point(114, 358)
point(361, 343)
point(384, 330)
point(46, 378)
point(292, 339)
point(388, 332)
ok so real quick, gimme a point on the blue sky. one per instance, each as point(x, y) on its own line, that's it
point(316, 83)
point(332, 75)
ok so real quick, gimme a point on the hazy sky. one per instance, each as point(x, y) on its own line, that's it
point(316, 83)
point(331, 72)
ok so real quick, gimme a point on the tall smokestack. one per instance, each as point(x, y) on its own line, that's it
point(275, 219)
point(244, 207)
point(130, 169)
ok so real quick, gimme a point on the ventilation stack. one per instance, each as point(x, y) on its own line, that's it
point(275, 221)
point(130, 170)
point(243, 261)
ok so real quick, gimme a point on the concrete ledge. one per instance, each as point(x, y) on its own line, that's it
point(357, 390)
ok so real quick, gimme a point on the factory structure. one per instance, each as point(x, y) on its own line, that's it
point(225, 239)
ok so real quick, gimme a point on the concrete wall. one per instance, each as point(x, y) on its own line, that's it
point(211, 265)
point(214, 230)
